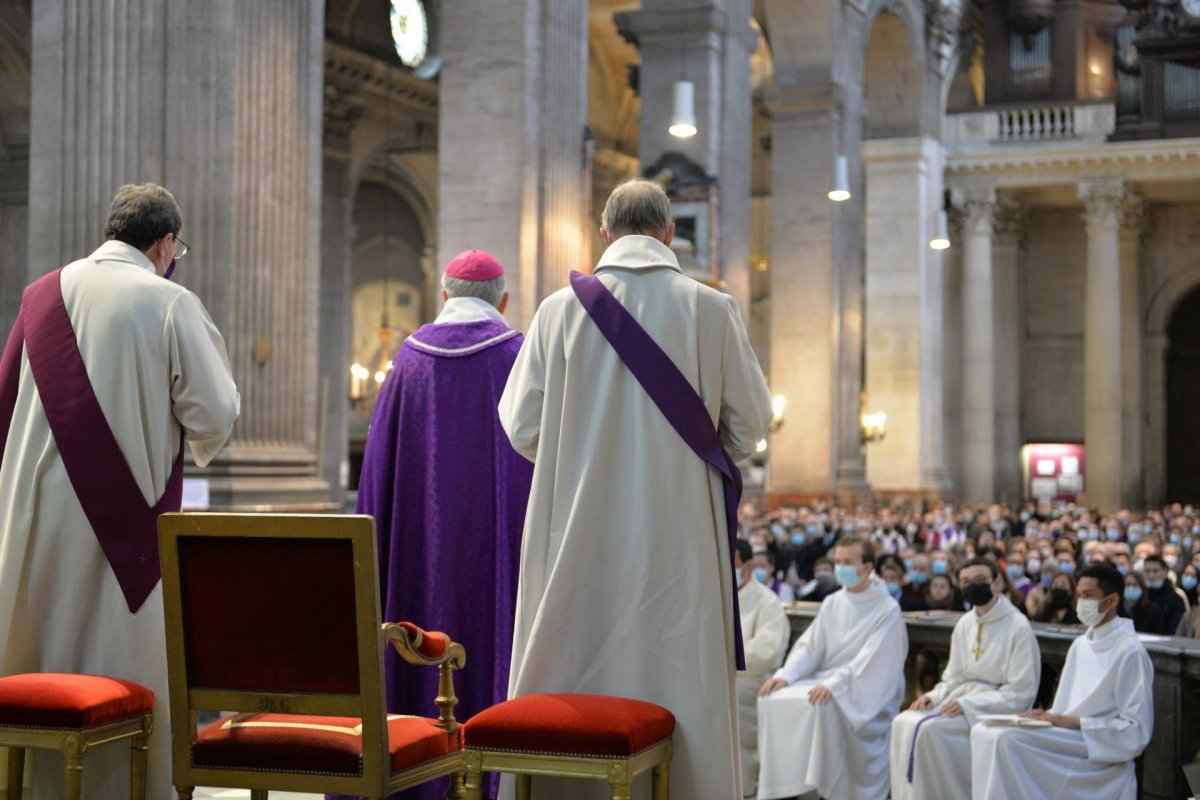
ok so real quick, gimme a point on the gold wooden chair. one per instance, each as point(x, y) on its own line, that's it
point(276, 618)
point(613, 739)
point(73, 713)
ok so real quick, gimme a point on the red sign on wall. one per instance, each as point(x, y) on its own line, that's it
point(1055, 472)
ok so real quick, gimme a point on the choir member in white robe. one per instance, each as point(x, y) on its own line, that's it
point(158, 367)
point(825, 718)
point(994, 668)
point(626, 581)
point(1101, 720)
point(765, 630)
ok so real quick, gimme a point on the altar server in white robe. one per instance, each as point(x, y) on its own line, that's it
point(765, 630)
point(1101, 720)
point(825, 717)
point(626, 583)
point(158, 367)
point(994, 668)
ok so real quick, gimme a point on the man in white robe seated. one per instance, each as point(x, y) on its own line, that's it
point(994, 668)
point(765, 632)
point(1101, 720)
point(825, 717)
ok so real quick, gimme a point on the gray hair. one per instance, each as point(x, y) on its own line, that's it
point(637, 206)
point(491, 291)
point(141, 214)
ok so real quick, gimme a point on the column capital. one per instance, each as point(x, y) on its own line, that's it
point(976, 206)
point(647, 23)
point(1103, 199)
point(803, 101)
point(1009, 219)
point(1134, 217)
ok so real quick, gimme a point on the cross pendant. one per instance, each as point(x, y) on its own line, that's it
point(978, 650)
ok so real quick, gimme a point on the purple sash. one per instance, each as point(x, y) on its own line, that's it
point(125, 526)
point(675, 398)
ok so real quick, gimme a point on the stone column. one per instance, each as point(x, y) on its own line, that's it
point(1154, 443)
point(1006, 254)
point(979, 347)
point(222, 104)
point(816, 298)
point(1134, 221)
point(337, 237)
point(1102, 347)
point(707, 42)
point(904, 307)
point(512, 111)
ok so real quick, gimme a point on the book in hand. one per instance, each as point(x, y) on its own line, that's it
point(1014, 720)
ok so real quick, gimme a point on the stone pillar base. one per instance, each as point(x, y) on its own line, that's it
point(266, 479)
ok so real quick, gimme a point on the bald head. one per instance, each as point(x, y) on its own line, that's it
point(638, 207)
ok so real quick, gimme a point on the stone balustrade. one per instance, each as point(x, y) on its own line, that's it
point(1009, 125)
point(1176, 662)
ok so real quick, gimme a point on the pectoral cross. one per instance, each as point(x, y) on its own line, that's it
point(978, 648)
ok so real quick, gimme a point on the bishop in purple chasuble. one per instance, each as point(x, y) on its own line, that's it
point(448, 494)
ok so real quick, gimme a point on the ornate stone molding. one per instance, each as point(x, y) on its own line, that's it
point(977, 209)
point(366, 81)
point(1134, 217)
point(943, 32)
point(1047, 165)
point(1009, 220)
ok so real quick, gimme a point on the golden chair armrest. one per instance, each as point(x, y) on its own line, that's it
point(424, 648)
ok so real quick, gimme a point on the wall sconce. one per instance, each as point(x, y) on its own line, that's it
point(941, 236)
point(872, 425)
point(840, 192)
point(683, 118)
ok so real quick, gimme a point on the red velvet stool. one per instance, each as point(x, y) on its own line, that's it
point(71, 713)
point(613, 739)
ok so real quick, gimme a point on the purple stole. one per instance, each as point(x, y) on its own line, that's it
point(675, 398)
point(125, 526)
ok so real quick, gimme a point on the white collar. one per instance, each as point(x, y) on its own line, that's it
point(113, 250)
point(469, 309)
point(638, 252)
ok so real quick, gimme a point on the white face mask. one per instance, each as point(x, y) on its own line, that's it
point(1089, 612)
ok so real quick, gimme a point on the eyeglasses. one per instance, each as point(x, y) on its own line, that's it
point(181, 247)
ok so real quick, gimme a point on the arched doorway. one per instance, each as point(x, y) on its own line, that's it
point(1183, 390)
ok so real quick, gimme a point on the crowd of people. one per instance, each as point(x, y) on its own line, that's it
point(1039, 550)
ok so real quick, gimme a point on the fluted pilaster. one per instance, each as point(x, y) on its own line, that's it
point(221, 103)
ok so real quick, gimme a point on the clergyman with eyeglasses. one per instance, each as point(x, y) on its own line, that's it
point(108, 370)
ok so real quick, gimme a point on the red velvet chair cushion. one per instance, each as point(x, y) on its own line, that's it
point(571, 724)
point(431, 644)
point(327, 745)
point(57, 700)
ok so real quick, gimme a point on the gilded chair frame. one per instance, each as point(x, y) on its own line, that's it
point(618, 773)
point(73, 743)
point(369, 705)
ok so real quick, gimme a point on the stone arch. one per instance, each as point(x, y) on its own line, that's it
point(893, 67)
point(1167, 297)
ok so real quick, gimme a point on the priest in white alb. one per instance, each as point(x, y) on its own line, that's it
point(825, 717)
point(1101, 720)
point(626, 582)
point(765, 631)
point(994, 668)
point(99, 401)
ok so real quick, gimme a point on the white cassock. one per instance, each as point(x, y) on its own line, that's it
point(626, 583)
point(856, 647)
point(1002, 678)
point(1108, 683)
point(158, 365)
point(765, 630)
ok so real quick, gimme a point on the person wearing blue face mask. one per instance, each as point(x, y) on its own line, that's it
point(765, 632)
point(1189, 626)
point(840, 686)
point(940, 564)
point(1161, 591)
point(1112, 534)
point(1015, 566)
point(1147, 617)
point(1189, 579)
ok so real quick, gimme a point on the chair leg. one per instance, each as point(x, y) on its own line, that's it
point(258, 794)
point(620, 791)
point(73, 784)
point(137, 767)
point(456, 791)
point(524, 786)
point(662, 781)
point(472, 775)
point(16, 771)
point(184, 792)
